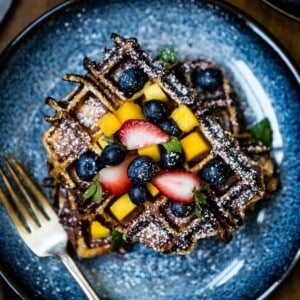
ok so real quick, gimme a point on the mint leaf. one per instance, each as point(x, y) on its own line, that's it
point(108, 140)
point(94, 191)
point(168, 55)
point(200, 200)
point(97, 196)
point(173, 145)
point(90, 191)
point(262, 131)
point(117, 239)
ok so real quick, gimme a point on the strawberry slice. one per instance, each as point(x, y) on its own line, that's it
point(177, 185)
point(135, 134)
point(114, 179)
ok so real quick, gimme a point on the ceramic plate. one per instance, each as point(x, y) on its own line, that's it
point(266, 82)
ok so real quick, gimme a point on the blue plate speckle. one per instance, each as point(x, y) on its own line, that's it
point(31, 69)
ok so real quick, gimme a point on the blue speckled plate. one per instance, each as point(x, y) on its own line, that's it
point(266, 82)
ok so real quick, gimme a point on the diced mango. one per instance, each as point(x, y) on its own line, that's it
point(194, 145)
point(184, 118)
point(109, 124)
point(154, 92)
point(122, 207)
point(150, 151)
point(98, 230)
point(152, 189)
point(129, 110)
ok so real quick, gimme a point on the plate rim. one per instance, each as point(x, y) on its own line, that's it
point(248, 20)
point(282, 11)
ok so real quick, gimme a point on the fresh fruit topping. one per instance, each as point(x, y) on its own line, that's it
point(184, 118)
point(194, 145)
point(142, 169)
point(177, 185)
point(169, 126)
point(152, 189)
point(207, 79)
point(262, 131)
point(171, 160)
point(168, 55)
point(131, 81)
point(155, 110)
point(135, 134)
point(216, 172)
point(113, 154)
point(154, 91)
point(109, 124)
point(122, 207)
point(87, 165)
point(181, 210)
point(129, 110)
point(151, 151)
point(114, 179)
point(139, 194)
point(98, 230)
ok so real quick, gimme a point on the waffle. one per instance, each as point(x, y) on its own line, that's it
point(224, 106)
point(221, 101)
point(74, 131)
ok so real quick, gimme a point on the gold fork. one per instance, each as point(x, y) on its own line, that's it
point(38, 225)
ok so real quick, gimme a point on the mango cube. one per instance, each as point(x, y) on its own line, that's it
point(98, 230)
point(109, 124)
point(154, 92)
point(150, 151)
point(184, 118)
point(194, 145)
point(129, 110)
point(152, 189)
point(122, 207)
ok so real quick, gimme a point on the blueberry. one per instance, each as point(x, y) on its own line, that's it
point(216, 172)
point(131, 81)
point(171, 160)
point(142, 169)
point(87, 165)
point(169, 126)
point(181, 210)
point(139, 194)
point(155, 110)
point(113, 154)
point(208, 79)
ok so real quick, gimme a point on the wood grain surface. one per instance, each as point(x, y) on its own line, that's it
point(284, 29)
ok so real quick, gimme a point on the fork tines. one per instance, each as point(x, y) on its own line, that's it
point(24, 201)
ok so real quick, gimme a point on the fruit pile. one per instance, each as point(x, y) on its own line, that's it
point(148, 141)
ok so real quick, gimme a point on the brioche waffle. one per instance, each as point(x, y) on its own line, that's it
point(75, 131)
point(225, 108)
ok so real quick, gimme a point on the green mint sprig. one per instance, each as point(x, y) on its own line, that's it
point(94, 191)
point(200, 199)
point(117, 239)
point(168, 55)
point(108, 139)
point(173, 145)
point(262, 131)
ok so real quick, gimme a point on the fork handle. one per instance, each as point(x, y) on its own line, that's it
point(78, 275)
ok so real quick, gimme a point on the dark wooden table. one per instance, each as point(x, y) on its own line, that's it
point(284, 29)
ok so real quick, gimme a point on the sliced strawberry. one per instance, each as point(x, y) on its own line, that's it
point(177, 185)
point(135, 134)
point(114, 179)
